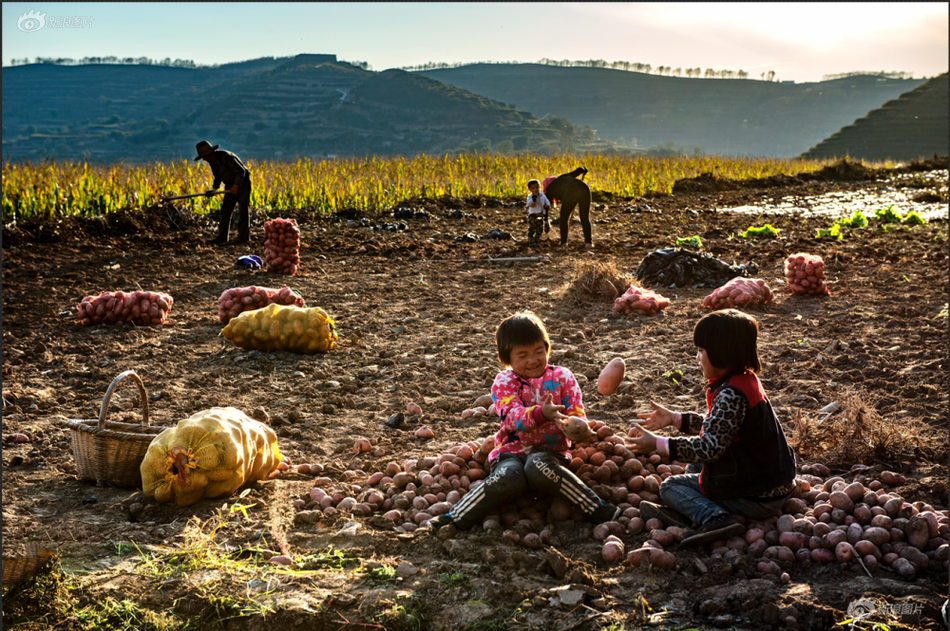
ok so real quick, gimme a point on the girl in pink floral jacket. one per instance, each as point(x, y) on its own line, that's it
point(533, 400)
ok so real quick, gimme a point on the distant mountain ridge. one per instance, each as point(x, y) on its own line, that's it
point(310, 105)
point(906, 128)
point(314, 105)
point(727, 116)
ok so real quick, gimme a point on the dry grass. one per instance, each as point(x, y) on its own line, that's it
point(596, 282)
point(857, 434)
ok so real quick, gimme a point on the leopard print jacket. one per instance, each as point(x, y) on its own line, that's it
point(719, 427)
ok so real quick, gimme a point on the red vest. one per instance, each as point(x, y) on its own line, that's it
point(759, 458)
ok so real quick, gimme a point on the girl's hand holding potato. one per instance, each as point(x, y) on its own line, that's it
point(659, 418)
point(552, 412)
point(644, 443)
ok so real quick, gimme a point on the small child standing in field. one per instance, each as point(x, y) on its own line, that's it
point(533, 400)
point(538, 207)
point(748, 467)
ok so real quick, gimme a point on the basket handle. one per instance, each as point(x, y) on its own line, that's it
point(108, 397)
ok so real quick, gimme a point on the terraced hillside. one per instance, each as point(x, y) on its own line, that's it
point(726, 116)
point(94, 110)
point(911, 126)
point(310, 105)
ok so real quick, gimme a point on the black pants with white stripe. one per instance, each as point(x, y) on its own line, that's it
point(512, 475)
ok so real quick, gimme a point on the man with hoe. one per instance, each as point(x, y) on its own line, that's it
point(229, 169)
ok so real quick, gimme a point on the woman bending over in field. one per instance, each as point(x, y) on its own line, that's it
point(748, 467)
point(571, 192)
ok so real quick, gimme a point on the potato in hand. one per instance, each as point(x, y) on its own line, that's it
point(577, 429)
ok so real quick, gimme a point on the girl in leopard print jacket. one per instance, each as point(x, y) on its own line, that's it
point(748, 467)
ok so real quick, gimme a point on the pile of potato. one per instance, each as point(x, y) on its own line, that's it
point(642, 300)
point(739, 292)
point(805, 275)
point(141, 308)
point(414, 491)
point(282, 246)
point(283, 328)
point(233, 302)
point(833, 520)
point(826, 520)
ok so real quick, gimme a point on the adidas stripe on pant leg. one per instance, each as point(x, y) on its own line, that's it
point(546, 473)
point(506, 482)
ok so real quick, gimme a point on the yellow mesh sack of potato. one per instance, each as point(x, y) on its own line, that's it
point(283, 328)
point(209, 454)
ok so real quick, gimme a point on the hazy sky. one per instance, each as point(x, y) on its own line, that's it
point(800, 42)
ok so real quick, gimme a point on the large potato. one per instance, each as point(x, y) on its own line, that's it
point(611, 376)
point(577, 429)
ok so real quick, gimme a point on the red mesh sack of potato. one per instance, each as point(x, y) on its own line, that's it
point(642, 300)
point(805, 275)
point(141, 308)
point(233, 302)
point(739, 292)
point(281, 246)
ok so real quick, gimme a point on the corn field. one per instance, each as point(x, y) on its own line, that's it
point(68, 188)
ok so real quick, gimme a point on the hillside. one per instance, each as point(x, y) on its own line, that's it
point(909, 127)
point(726, 116)
point(93, 110)
point(309, 105)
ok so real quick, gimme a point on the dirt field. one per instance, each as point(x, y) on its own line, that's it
point(417, 324)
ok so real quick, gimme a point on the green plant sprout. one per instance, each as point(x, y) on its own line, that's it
point(857, 220)
point(673, 375)
point(693, 241)
point(834, 231)
point(382, 573)
point(887, 215)
point(913, 218)
point(765, 231)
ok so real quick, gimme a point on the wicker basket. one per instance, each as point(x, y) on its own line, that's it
point(26, 565)
point(110, 452)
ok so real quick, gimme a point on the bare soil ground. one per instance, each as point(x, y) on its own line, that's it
point(416, 319)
